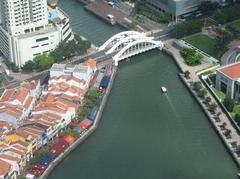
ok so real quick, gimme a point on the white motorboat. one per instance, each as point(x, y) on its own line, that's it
point(164, 89)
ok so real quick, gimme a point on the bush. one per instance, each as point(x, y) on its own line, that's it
point(187, 28)
point(191, 57)
point(237, 119)
point(229, 103)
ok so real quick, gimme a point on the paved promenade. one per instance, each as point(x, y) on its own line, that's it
point(221, 125)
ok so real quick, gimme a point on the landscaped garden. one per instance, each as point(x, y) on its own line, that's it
point(204, 43)
point(191, 56)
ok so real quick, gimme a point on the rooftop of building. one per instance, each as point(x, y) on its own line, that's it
point(5, 168)
point(48, 29)
point(82, 68)
point(57, 15)
point(232, 71)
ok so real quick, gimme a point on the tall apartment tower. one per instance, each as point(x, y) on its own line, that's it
point(29, 28)
point(21, 16)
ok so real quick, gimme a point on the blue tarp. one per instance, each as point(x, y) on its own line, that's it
point(93, 113)
point(46, 160)
point(76, 129)
point(105, 81)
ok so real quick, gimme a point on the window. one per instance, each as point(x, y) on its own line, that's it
point(223, 87)
point(42, 39)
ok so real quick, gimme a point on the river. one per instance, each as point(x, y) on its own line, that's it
point(144, 134)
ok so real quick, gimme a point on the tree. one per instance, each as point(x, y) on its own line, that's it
point(11, 66)
point(208, 100)
point(227, 14)
point(213, 107)
point(202, 93)
point(43, 62)
point(29, 66)
point(1, 78)
point(208, 7)
point(227, 133)
point(187, 28)
point(229, 103)
point(197, 86)
point(187, 74)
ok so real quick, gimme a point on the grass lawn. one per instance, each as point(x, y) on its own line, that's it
point(219, 94)
point(235, 24)
point(236, 109)
point(204, 43)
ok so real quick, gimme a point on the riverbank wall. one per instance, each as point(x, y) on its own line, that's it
point(81, 139)
point(212, 121)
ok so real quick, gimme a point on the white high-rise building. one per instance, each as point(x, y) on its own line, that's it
point(30, 28)
point(20, 16)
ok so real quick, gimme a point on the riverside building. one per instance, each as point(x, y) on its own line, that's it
point(30, 28)
point(228, 80)
point(178, 8)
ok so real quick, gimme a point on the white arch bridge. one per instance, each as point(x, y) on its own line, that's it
point(129, 43)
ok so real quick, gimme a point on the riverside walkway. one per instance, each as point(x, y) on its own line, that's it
point(224, 123)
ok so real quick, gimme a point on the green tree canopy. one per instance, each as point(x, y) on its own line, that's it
point(187, 28)
point(29, 66)
point(43, 62)
point(208, 7)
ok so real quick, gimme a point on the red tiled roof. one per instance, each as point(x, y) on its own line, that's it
point(91, 63)
point(8, 157)
point(21, 94)
point(5, 168)
point(28, 102)
point(7, 94)
point(232, 71)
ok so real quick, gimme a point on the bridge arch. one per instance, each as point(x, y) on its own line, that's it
point(125, 41)
point(118, 37)
point(137, 47)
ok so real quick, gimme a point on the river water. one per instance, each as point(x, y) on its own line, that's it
point(143, 133)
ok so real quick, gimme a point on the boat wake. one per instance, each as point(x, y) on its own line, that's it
point(171, 105)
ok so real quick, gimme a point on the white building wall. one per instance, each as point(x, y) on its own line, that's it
point(25, 17)
point(36, 45)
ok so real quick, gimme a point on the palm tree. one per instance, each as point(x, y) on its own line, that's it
point(213, 107)
point(208, 100)
point(187, 74)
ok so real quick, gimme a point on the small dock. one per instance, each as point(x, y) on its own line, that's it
point(102, 9)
